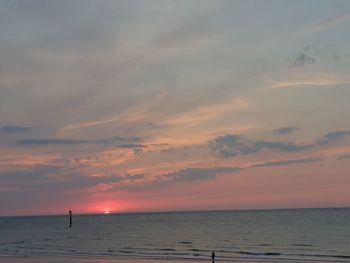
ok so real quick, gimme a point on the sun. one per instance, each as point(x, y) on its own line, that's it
point(107, 211)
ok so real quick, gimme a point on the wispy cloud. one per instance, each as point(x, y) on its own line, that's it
point(50, 141)
point(56, 178)
point(132, 145)
point(90, 123)
point(207, 113)
point(287, 162)
point(303, 59)
point(61, 141)
point(333, 136)
point(191, 175)
point(341, 17)
point(343, 156)
point(196, 174)
point(284, 130)
point(307, 83)
point(138, 151)
point(118, 139)
point(232, 145)
point(15, 129)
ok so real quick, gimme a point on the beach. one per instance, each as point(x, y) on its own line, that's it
point(84, 260)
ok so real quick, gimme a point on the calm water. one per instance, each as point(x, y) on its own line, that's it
point(312, 234)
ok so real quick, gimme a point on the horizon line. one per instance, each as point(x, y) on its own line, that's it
point(179, 211)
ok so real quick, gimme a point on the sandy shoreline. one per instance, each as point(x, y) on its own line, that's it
point(105, 260)
point(83, 260)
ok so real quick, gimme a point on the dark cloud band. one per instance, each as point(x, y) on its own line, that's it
point(15, 129)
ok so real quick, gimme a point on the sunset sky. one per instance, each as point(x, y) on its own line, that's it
point(173, 105)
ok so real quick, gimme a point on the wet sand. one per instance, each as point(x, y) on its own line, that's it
point(98, 260)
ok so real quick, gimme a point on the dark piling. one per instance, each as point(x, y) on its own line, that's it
point(70, 218)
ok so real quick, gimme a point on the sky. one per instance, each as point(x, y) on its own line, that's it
point(127, 106)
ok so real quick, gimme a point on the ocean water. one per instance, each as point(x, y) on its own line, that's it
point(321, 235)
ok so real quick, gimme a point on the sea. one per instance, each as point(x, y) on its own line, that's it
point(299, 235)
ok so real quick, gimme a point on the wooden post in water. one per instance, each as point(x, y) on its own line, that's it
point(70, 218)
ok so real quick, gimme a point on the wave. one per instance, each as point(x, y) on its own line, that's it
point(259, 254)
point(198, 250)
point(302, 245)
point(173, 253)
point(236, 236)
point(291, 255)
point(13, 243)
point(185, 242)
